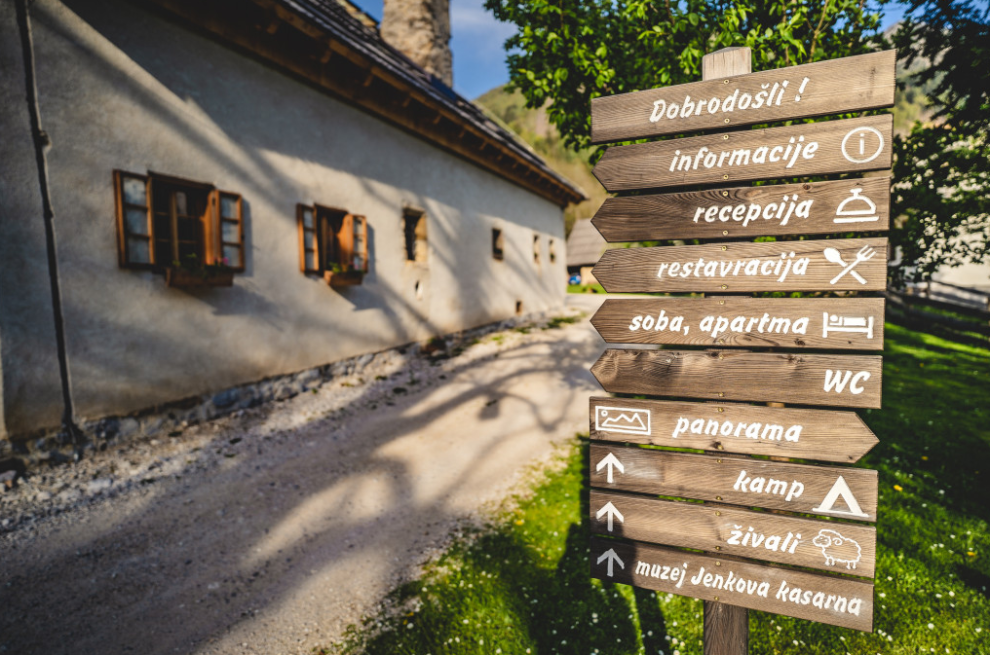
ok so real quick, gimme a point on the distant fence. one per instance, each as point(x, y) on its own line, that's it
point(961, 311)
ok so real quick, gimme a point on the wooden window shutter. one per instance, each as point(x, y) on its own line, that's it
point(309, 250)
point(229, 232)
point(345, 238)
point(135, 227)
point(361, 243)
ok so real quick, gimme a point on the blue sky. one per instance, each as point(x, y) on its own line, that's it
point(477, 38)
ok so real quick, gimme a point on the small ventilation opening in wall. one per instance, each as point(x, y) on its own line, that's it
point(518, 308)
point(419, 290)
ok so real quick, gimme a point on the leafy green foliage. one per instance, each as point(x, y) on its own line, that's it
point(943, 168)
point(570, 51)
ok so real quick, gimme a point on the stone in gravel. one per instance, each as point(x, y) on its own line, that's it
point(98, 485)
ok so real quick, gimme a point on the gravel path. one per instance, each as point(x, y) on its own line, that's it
point(272, 530)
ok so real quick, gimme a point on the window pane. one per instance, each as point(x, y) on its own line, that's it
point(231, 232)
point(188, 229)
point(135, 191)
point(228, 207)
point(138, 251)
point(309, 241)
point(310, 260)
point(136, 221)
point(180, 203)
point(308, 218)
point(233, 256)
point(358, 263)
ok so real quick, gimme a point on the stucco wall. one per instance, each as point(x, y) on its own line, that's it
point(123, 88)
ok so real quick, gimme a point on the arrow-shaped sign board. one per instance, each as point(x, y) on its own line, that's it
point(827, 323)
point(825, 435)
point(826, 545)
point(828, 87)
point(825, 265)
point(844, 146)
point(839, 380)
point(809, 208)
point(848, 493)
point(824, 598)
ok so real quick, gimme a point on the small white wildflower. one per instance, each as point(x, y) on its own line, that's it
point(931, 626)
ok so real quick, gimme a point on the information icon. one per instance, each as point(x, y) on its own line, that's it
point(862, 145)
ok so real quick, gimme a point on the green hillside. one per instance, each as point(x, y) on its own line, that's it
point(534, 127)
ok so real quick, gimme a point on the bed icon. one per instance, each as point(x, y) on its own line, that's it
point(624, 420)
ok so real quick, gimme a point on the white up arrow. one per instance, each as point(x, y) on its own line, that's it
point(612, 558)
point(610, 460)
point(610, 511)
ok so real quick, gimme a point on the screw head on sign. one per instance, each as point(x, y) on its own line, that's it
point(718, 461)
point(718, 498)
point(725, 81)
point(718, 513)
point(716, 599)
point(721, 302)
point(721, 356)
point(725, 194)
point(720, 447)
point(725, 137)
point(718, 563)
point(725, 286)
point(725, 233)
point(720, 410)
point(718, 548)
point(725, 247)
point(725, 177)
point(726, 121)
point(721, 394)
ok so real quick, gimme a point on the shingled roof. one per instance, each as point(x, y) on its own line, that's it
point(584, 245)
point(322, 42)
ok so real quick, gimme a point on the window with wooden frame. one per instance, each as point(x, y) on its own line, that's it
point(552, 251)
point(536, 249)
point(414, 233)
point(332, 242)
point(165, 222)
point(498, 244)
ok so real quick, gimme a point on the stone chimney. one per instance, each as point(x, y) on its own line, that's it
point(420, 29)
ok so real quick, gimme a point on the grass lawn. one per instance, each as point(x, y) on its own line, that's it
point(522, 585)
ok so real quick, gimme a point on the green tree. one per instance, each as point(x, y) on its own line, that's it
point(570, 51)
point(942, 168)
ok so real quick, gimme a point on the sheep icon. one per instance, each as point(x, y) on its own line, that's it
point(837, 548)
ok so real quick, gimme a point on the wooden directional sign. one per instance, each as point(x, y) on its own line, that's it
point(826, 545)
point(828, 323)
point(827, 599)
point(811, 208)
point(827, 265)
point(843, 146)
point(828, 87)
point(843, 492)
point(825, 435)
point(841, 380)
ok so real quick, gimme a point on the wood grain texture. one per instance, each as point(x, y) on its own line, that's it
point(726, 629)
point(639, 562)
point(715, 268)
point(834, 86)
point(742, 375)
point(723, 530)
point(661, 163)
point(732, 321)
point(809, 208)
point(734, 480)
point(826, 435)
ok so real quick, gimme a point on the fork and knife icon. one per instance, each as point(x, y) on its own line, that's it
point(834, 256)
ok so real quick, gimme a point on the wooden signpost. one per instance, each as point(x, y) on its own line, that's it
point(806, 208)
point(718, 579)
point(826, 87)
point(843, 146)
point(746, 513)
point(843, 380)
point(743, 532)
point(828, 436)
point(828, 323)
point(828, 265)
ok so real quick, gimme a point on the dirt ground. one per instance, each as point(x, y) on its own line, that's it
point(272, 530)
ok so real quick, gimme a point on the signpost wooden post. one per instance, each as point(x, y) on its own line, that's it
point(735, 506)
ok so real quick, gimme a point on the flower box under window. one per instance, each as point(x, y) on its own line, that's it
point(184, 278)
